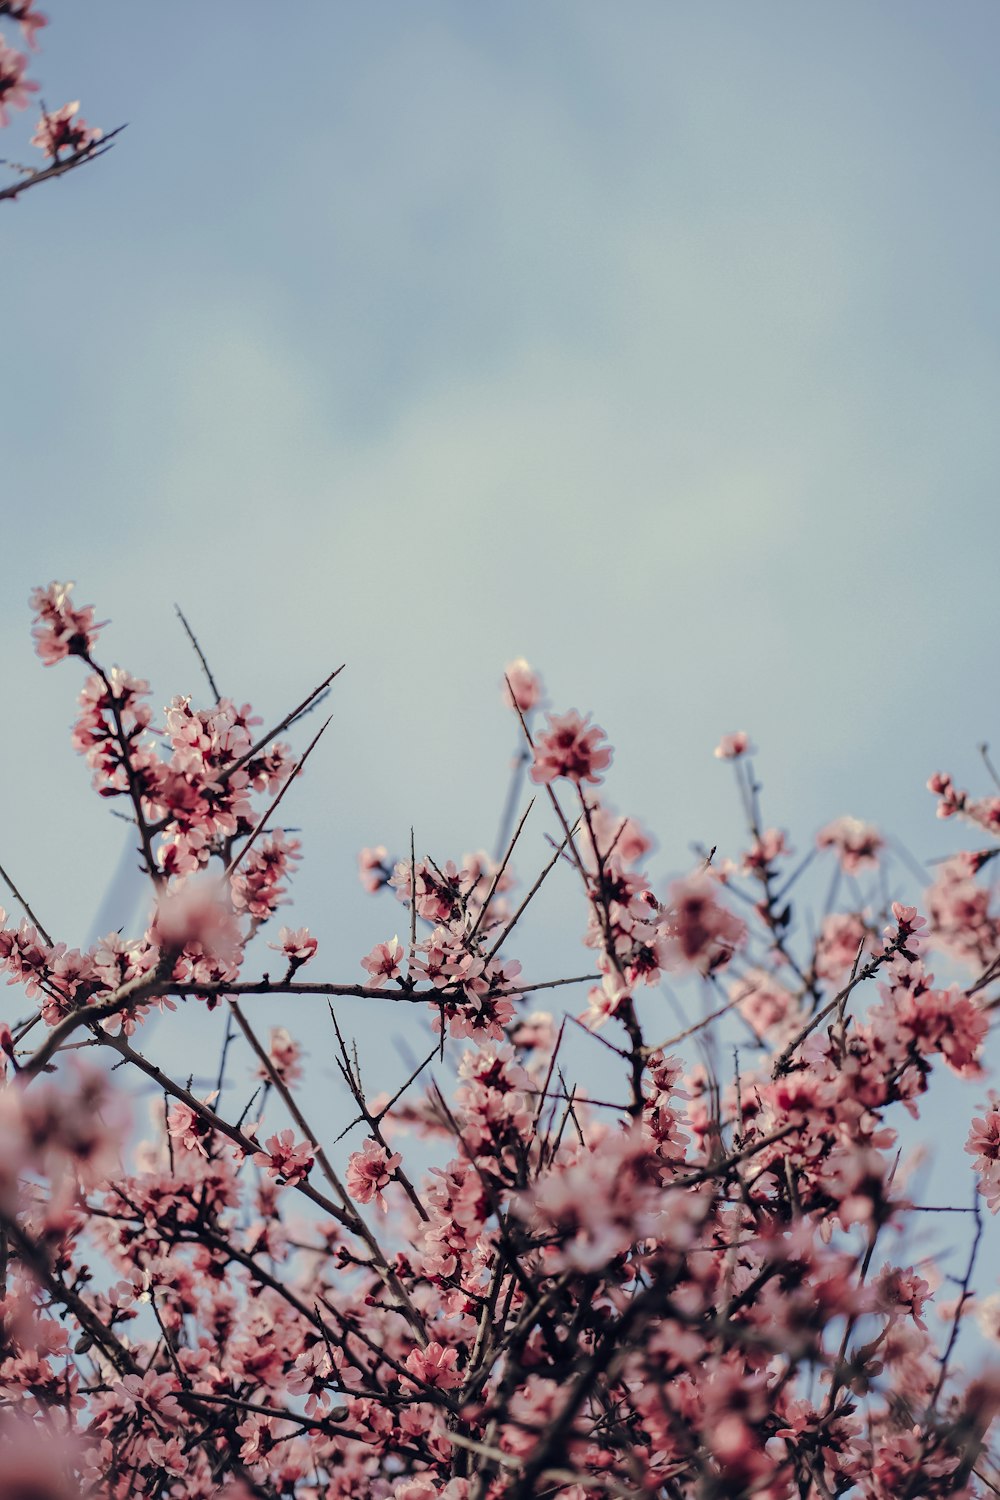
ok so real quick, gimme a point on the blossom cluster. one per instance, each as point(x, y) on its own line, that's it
point(569, 1256)
point(62, 135)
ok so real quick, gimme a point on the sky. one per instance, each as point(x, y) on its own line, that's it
point(655, 342)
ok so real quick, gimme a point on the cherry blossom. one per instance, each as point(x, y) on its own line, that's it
point(569, 748)
point(524, 683)
point(698, 929)
point(988, 1316)
point(732, 746)
point(383, 962)
point(674, 1251)
point(856, 843)
point(298, 946)
point(285, 1056)
point(283, 1158)
point(59, 130)
point(28, 18)
point(984, 1144)
point(369, 1171)
point(952, 802)
point(766, 1004)
point(15, 91)
point(59, 629)
point(373, 868)
point(620, 842)
point(435, 1366)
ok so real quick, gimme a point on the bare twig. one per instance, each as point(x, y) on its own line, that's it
point(238, 858)
point(23, 904)
point(289, 718)
point(199, 653)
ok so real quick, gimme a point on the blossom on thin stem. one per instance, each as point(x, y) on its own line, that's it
point(285, 1056)
point(733, 746)
point(28, 18)
point(15, 89)
point(374, 868)
point(857, 843)
point(383, 962)
point(984, 1144)
point(676, 1283)
point(369, 1171)
point(283, 1159)
point(569, 748)
point(59, 629)
point(524, 684)
point(698, 930)
point(298, 946)
point(435, 1366)
point(59, 130)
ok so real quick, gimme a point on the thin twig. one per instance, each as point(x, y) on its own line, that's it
point(266, 739)
point(353, 1218)
point(236, 860)
point(531, 894)
point(59, 168)
point(199, 653)
point(500, 870)
point(23, 904)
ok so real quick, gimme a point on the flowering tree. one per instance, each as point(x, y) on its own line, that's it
point(695, 1283)
point(62, 135)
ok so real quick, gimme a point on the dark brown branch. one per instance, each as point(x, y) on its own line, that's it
point(60, 168)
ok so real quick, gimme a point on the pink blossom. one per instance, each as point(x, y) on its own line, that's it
point(988, 1317)
point(446, 892)
point(59, 629)
point(30, 20)
point(568, 748)
point(907, 929)
point(383, 961)
point(943, 787)
point(15, 93)
point(59, 131)
point(841, 935)
point(284, 1159)
point(197, 930)
point(604, 1001)
point(535, 1031)
point(435, 1366)
point(591, 1211)
point(34, 1469)
point(732, 746)
point(168, 1455)
point(533, 1409)
point(697, 928)
point(962, 911)
point(766, 1004)
point(256, 885)
point(298, 946)
point(187, 1127)
point(286, 1056)
point(423, 1488)
point(768, 847)
point(621, 842)
point(152, 1393)
point(857, 843)
point(984, 1144)
point(693, 1240)
point(524, 683)
point(953, 802)
point(374, 868)
point(369, 1171)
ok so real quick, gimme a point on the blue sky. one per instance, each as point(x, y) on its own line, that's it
point(654, 342)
